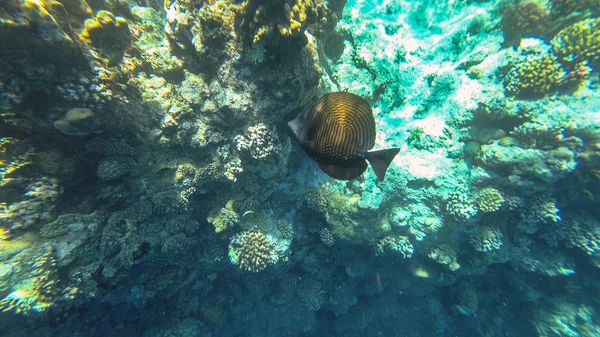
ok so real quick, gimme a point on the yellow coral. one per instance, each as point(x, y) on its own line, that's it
point(534, 76)
point(489, 200)
point(252, 251)
point(108, 33)
point(578, 43)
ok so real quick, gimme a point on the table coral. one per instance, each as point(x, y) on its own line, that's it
point(77, 122)
point(252, 251)
point(578, 43)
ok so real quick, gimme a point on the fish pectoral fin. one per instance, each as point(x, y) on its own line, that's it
point(380, 160)
point(345, 173)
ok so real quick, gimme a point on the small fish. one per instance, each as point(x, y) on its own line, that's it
point(338, 132)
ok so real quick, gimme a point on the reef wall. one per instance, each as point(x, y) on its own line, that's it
point(150, 187)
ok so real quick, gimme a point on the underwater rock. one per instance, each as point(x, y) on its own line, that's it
point(78, 122)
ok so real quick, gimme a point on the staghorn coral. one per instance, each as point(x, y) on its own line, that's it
point(524, 19)
point(486, 239)
point(108, 34)
point(489, 200)
point(578, 43)
point(461, 206)
point(252, 251)
point(397, 244)
point(534, 76)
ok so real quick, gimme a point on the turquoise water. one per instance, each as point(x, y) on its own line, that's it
point(150, 185)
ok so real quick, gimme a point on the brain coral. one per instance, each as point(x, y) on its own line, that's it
point(534, 76)
point(578, 43)
point(252, 251)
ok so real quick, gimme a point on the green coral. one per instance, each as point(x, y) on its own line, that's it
point(578, 43)
point(534, 76)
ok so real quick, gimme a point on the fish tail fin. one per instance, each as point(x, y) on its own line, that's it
point(380, 160)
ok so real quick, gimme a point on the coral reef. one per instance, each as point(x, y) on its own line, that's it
point(524, 19)
point(534, 76)
point(252, 251)
point(108, 34)
point(578, 43)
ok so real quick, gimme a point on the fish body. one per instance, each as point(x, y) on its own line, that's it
point(338, 132)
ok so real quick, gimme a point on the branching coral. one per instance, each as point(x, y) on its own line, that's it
point(252, 251)
point(524, 19)
point(486, 239)
point(259, 140)
point(461, 206)
point(489, 200)
point(534, 76)
point(398, 244)
point(578, 43)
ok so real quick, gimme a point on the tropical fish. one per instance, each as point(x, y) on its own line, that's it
point(338, 132)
